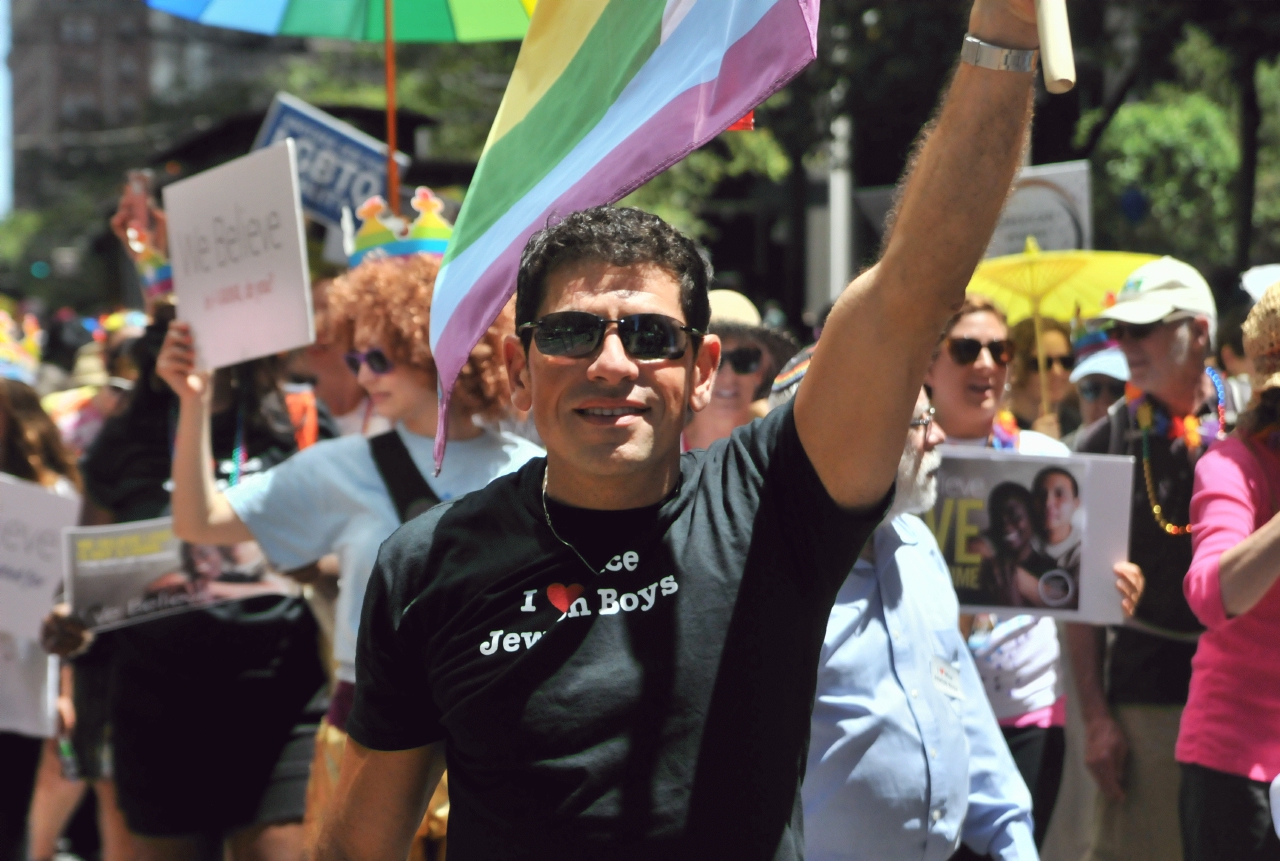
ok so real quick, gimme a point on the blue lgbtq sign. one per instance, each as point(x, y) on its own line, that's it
point(338, 165)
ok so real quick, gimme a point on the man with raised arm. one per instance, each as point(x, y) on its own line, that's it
point(616, 647)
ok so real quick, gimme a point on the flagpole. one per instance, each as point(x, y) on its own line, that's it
point(389, 53)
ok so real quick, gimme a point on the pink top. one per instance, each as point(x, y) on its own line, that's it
point(1232, 719)
point(1049, 716)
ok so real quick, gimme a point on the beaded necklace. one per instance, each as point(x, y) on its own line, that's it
point(1189, 428)
point(1004, 432)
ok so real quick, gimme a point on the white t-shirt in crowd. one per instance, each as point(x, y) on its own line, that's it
point(1018, 660)
point(29, 674)
point(331, 499)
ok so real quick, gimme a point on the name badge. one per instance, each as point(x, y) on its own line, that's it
point(946, 678)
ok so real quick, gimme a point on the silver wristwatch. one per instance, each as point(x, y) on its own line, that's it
point(979, 53)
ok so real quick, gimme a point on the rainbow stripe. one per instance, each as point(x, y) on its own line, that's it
point(605, 95)
point(362, 20)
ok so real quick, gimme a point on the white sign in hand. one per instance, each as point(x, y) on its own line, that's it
point(238, 250)
point(31, 524)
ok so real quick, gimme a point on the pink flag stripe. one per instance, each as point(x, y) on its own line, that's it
point(749, 74)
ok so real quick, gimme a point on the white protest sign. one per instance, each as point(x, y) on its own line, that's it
point(31, 524)
point(239, 257)
point(1034, 534)
point(1050, 202)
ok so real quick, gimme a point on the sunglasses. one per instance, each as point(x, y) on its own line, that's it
point(743, 360)
point(1139, 331)
point(965, 351)
point(1067, 363)
point(1091, 390)
point(375, 359)
point(577, 334)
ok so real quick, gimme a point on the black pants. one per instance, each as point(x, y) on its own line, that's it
point(1038, 752)
point(1225, 816)
point(19, 758)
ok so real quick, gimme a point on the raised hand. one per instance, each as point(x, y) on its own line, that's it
point(1007, 23)
point(176, 363)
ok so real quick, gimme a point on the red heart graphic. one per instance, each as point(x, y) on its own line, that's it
point(563, 596)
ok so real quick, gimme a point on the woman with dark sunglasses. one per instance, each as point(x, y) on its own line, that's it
point(750, 357)
point(968, 381)
point(1025, 392)
point(339, 496)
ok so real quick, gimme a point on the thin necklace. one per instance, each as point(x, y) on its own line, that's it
point(547, 514)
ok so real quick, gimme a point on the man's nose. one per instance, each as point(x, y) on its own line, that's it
point(936, 437)
point(612, 364)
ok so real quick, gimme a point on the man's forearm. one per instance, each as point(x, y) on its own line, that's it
point(1086, 645)
point(870, 362)
point(378, 802)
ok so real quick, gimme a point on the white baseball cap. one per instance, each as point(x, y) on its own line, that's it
point(1159, 289)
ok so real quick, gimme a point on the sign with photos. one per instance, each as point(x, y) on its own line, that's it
point(1028, 534)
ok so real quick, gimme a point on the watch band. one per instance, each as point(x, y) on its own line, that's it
point(979, 53)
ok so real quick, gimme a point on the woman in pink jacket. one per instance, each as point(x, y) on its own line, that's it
point(1229, 741)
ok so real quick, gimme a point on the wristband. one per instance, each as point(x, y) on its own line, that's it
point(976, 52)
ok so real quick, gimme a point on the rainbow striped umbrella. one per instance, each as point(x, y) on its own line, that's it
point(365, 21)
point(362, 20)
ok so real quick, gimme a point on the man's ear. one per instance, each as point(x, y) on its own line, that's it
point(517, 361)
point(1203, 332)
point(705, 363)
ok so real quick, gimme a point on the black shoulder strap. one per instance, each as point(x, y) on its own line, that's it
point(409, 491)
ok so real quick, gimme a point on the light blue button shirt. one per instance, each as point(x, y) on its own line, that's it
point(906, 759)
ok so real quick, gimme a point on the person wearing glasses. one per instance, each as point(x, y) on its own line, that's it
point(1025, 400)
point(616, 647)
point(345, 496)
point(900, 725)
point(1099, 378)
point(750, 357)
point(968, 381)
point(1163, 319)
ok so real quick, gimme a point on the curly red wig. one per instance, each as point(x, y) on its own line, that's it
point(387, 303)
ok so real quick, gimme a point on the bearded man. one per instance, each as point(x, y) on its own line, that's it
point(906, 759)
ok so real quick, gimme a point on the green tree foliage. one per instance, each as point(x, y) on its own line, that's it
point(679, 193)
point(460, 85)
point(16, 231)
point(1163, 179)
point(1165, 170)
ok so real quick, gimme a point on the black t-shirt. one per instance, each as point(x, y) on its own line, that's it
point(658, 709)
point(1147, 668)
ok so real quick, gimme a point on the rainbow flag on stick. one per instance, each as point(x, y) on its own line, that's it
point(605, 95)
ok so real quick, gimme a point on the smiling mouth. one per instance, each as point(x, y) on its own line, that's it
point(610, 412)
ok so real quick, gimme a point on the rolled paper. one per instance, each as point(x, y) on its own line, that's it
point(1057, 59)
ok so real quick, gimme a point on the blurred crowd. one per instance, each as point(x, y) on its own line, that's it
point(221, 729)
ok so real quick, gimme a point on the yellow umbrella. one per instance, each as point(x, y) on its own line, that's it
point(1058, 284)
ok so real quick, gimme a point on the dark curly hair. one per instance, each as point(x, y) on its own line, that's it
point(621, 236)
